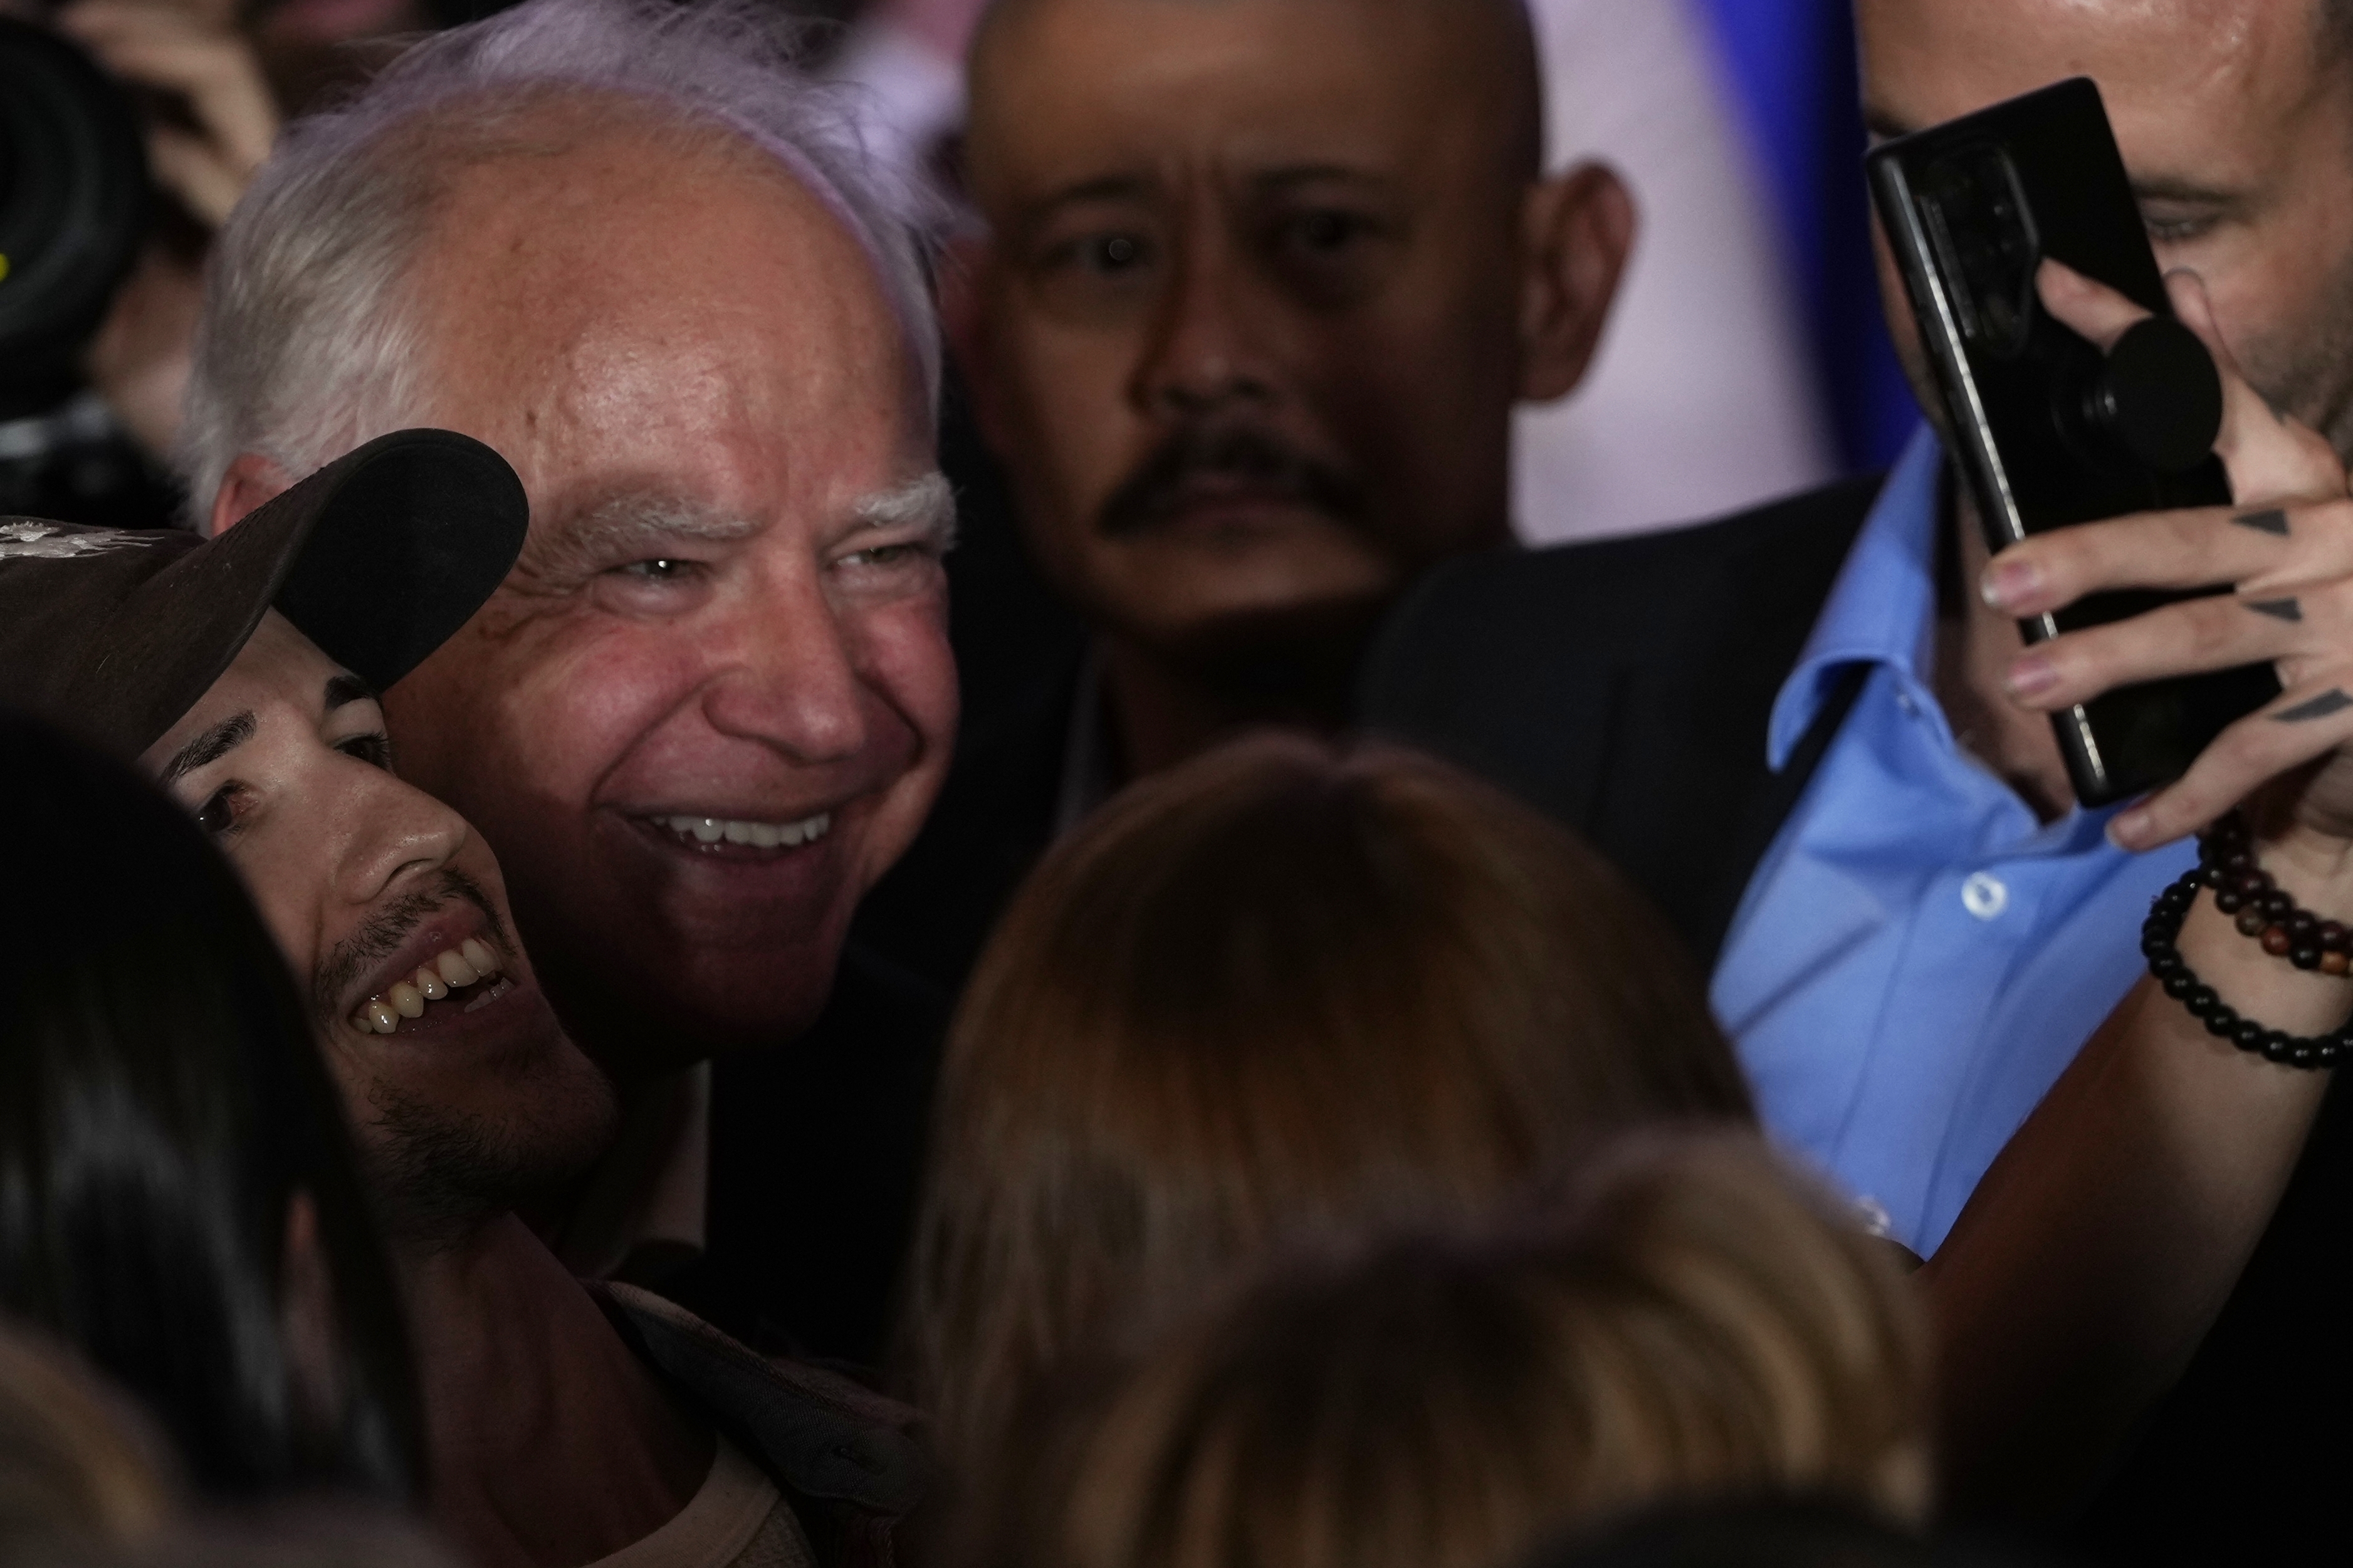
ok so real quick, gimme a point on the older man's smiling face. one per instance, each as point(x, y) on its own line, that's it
point(714, 700)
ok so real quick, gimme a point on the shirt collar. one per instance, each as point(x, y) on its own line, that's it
point(1883, 608)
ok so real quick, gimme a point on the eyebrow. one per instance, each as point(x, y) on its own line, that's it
point(1029, 218)
point(2173, 188)
point(210, 747)
point(928, 502)
point(625, 524)
point(343, 691)
point(1101, 188)
point(2155, 188)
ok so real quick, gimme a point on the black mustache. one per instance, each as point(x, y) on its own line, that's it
point(1155, 491)
point(383, 931)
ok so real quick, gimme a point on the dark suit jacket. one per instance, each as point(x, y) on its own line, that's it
point(1624, 688)
point(817, 1152)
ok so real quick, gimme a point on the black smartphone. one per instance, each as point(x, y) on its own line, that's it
point(2048, 431)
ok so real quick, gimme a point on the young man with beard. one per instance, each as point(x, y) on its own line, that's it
point(564, 1426)
point(1813, 735)
point(1261, 285)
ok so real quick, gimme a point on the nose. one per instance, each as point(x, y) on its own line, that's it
point(1207, 349)
point(788, 674)
point(397, 833)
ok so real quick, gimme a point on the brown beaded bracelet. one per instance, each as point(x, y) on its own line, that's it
point(2226, 863)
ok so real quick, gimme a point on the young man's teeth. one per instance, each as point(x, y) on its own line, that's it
point(756, 834)
point(462, 965)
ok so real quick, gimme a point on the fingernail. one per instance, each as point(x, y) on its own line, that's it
point(2008, 583)
point(2129, 830)
point(2031, 675)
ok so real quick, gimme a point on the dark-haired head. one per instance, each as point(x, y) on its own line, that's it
point(177, 1191)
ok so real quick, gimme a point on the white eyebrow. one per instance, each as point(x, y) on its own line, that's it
point(929, 503)
point(633, 523)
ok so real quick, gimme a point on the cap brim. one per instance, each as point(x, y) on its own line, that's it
point(379, 558)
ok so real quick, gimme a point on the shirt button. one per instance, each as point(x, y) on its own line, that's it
point(1985, 896)
point(1904, 700)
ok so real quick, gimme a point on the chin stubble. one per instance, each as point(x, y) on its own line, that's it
point(439, 1173)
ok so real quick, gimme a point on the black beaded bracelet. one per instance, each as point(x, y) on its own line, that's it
point(2159, 936)
point(2262, 909)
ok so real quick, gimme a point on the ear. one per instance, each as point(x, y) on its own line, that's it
point(963, 285)
point(1576, 230)
point(251, 479)
point(308, 1318)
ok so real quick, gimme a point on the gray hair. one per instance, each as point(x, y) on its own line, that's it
point(305, 348)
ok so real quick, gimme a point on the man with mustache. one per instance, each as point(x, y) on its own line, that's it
point(1261, 284)
point(563, 1426)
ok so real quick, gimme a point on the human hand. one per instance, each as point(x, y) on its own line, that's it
point(2286, 546)
point(204, 61)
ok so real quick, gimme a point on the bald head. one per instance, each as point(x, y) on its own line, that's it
point(1262, 282)
point(1476, 58)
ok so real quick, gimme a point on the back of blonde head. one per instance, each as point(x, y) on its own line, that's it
point(1280, 991)
point(1694, 1325)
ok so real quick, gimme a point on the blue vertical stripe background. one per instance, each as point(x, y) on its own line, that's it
point(1792, 66)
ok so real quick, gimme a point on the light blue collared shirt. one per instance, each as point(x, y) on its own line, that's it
point(1916, 959)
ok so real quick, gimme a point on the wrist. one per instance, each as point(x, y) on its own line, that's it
point(2258, 926)
point(2316, 868)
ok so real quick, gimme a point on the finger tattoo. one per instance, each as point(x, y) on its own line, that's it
point(2274, 521)
point(2327, 704)
point(2277, 609)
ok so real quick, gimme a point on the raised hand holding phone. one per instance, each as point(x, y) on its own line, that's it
point(2285, 544)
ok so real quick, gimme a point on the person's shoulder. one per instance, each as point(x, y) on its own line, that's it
point(1720, 554)
point(1514, 617)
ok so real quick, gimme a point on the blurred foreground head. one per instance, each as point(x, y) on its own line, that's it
point(76, 1463)
point(1261, 283)
point(180, 1202)
point(2235, 119)
point(1690, 1325)
point(1280, 990)
point(630, 246)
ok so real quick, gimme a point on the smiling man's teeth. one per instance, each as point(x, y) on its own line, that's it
point(461, 967)
point(756, 834)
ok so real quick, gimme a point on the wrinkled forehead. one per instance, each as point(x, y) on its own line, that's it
point(576, 202)
point(613, 310)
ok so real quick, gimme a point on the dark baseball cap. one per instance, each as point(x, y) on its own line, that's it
point(378, 558)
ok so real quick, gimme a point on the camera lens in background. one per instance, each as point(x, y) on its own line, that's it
point(73, 211)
